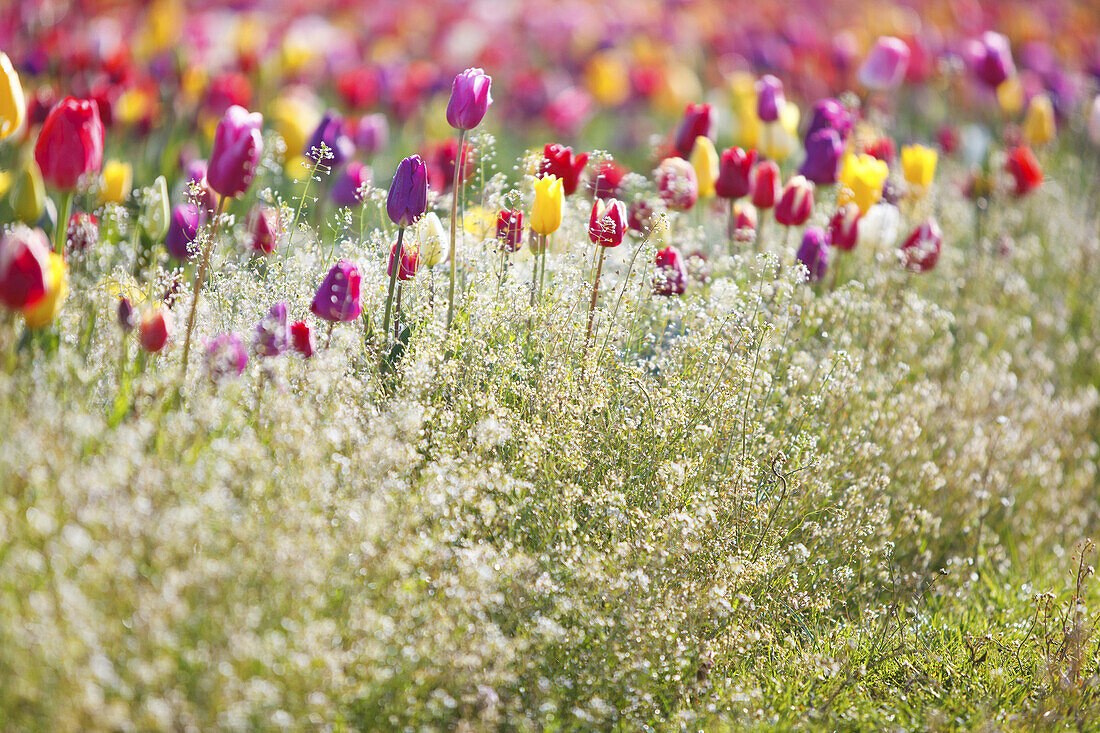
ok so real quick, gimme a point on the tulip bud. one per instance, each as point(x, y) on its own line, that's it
point(546, 213)
point(43, 312)
point(814, 252)
point(156, 328)
point(350, 182)
point(470, 99)
point(410, 262)
point(862, 177)
point(337, 298)
point(238, 146)
point(796, 202)
point(1024, 169)
point(83, 232)
point(24, 267)
point(127, 317)
point(510, 229)
point(330, 132)
point(13, 105)
point(70, 144)
point(698, 122)
point(430, 237)
point(371, 134)
point(704, 159)
point(264, 229)
point(677, 184)
point(735, 173)
point(225, 357)
point(824, 149)
point(560, 161)
point(670, 277)
point(770, 99)
point(922, 248)
point(117, 180)
point(607, 224)
point(886, 64)
point(29, 197)
point(154, 214)
point(765, 185)
point(844, 227)
point(272, 334)
point(302, 336)
point(918, 164)
point(182, 230)
point(408, 194)
point(1039, 127)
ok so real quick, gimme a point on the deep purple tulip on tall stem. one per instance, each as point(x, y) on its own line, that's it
point(406, 202)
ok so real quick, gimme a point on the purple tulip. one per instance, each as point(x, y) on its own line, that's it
point(769, 98)
point(824, 149)
point(372, 133)
point(273, 332)
point(237, 149)
point(196, 171)
point(182, 230)
point(338, 297)
point(814, 252)
point(885, 66)
point(990, 58)
point(470, 99)
point(330, 131)
point(408, 196)
point(349, 182)
point(829, 113)
point(225, 357)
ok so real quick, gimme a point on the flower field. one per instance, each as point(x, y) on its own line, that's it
point(549, 366)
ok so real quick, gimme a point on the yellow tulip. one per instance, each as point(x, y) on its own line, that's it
point(704, 159)
point(918, 165)
point(1010, 95)
point(549, 203)
point(117, 179)
point(28, 200)
point(861, 178)
point(45, 310)
point(479, 222)
point(294, 120)
point(5, 182)
point(13, 105)
point(746, 124)
point(607, 80)
point(135, 105)
point(679, 86)
point(1039, 122)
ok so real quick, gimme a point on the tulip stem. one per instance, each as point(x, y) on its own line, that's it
point(200, 279)
point(395, 264)
point(542, 270)
point(62, 227)
point(733, 223)
point(460, 160)
point(595, 294)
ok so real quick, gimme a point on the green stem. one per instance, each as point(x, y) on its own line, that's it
point(200, 279)
point(542, 271)
point(460, 160)
point(62, 228)
point(394, 267)
point(595, 294)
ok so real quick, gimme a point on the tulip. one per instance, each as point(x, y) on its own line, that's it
point(24, 267)
point(824, 149)
point(264, 228)
point(677, 184)
point(1039, 125)
point(236, 153)
point(698, 121)
point(83, 232)
point(882, 148)
point(70, 144)
point(154, 212)
point(744, 221)
point(546, 213)
point(558, 160)
point(608, 179)
point(272, 333)
point(607, 225)
point(770, 99)
point(991, 59)
point(607, 79)
point(885, 65)
point(350, 183)
point(879, 227)
point(430, 236)
point(410, 262)
point(704, 159)
point(156, 328)
point(293, 118)
point(1011, 95)
point(13, 105)
point(225, 357)
point(796, 202)
point(127, 316)
point(746, 123)
point(470, 99)
point(844, 227)
point(735, 173)
point(329, 132)
point(182, 230)
point(918, 165)
point(117, 179)
point(510, 229)
point(29, 197)
point(43, 312)
point(780, 138)
point(1024, 169)
point(670, 277)
point(408, 194)
point(442, 160)
point(1093, 123)
point(862, 177)
point(640, 216)
point(302, 336)
point(921, 249)
point(814, 253)
point(371, 133)
point(765, 185)
point(829, 114)
point(337, 298)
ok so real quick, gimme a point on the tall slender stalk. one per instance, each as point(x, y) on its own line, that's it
point(395, 266)
point(542, 271)
point(62, 228)
point(595, 294)
point(200, 279)
point(460, 160)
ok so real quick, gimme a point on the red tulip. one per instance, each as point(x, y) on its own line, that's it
point(670, 277)
point(558, 160)
point(609, 176)
point(796, 203)
point(302, 336)
point(156, 328)
point(70, 144)
point(410, 262)
point(1025, 169)
point(922, 248)
point(510, 229)
point(698, 120)
point(24, 267)
point(765, 185)
point(735, 173)
point(607, 225)
point(844, 227)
